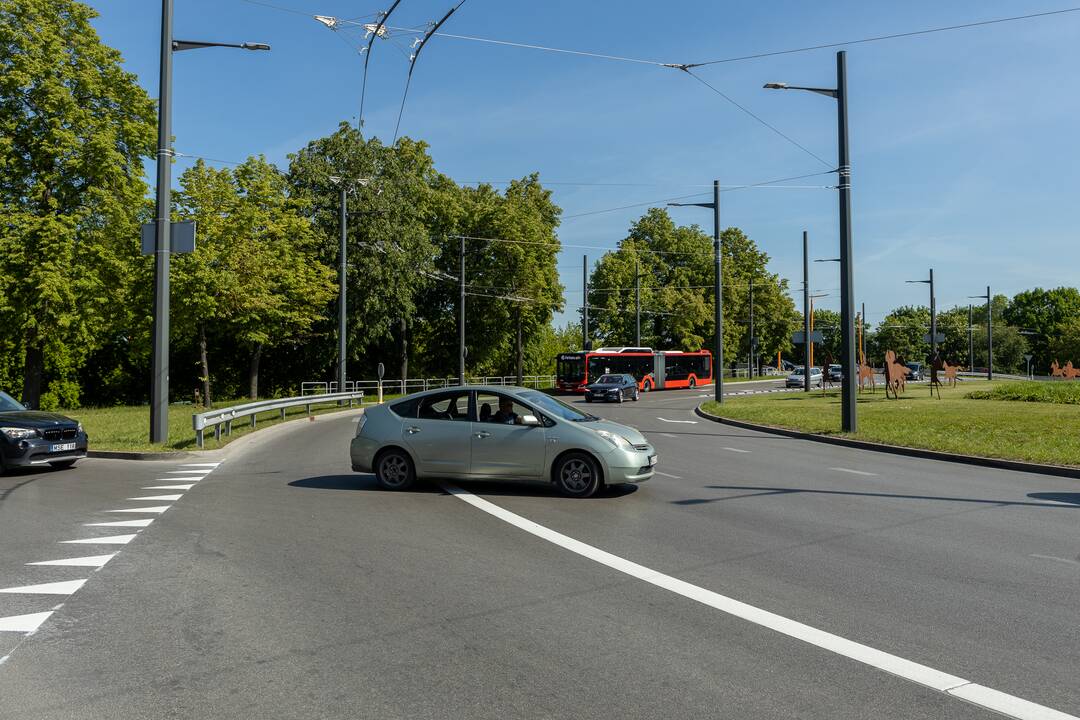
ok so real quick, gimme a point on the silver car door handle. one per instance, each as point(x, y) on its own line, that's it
point(483, 434)
point(413, 430)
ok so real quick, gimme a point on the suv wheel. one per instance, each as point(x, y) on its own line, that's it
point(576, 475)
point(394, 470)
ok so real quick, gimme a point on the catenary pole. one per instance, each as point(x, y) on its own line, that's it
point(989, 336)
point(718, 294)
point(807, 313)
point(849, 421)
point(585, 302)
point(159, 384)
point(461, 317)
point(342, 297)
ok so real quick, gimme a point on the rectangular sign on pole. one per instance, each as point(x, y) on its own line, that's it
point(181, 237)
point(799, 338)
point(940, 337)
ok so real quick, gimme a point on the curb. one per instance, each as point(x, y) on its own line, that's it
point(1017, 465)
point(123, 455)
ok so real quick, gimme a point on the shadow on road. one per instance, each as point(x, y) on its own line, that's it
point(1059, 500)
point(500, 488)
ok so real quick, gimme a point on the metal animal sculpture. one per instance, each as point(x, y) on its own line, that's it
point(895, 375)
point(950, 373)
point(866, 373)
point(1069, 371)
point(1056, 370)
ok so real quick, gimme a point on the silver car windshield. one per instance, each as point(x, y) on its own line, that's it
point(556, 407)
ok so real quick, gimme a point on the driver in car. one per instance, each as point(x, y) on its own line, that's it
point(506, 414)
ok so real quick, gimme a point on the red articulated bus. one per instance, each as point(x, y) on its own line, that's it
point(653, 369)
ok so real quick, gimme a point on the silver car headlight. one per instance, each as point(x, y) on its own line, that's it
point(14, 433)
point(615, 439)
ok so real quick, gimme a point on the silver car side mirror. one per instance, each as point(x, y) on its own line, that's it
point(530, 420)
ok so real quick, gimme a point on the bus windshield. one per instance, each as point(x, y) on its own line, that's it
point(571, 368)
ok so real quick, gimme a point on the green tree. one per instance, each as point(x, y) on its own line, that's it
point(902, 331)
point(1047, 315)
point(1065, 345)
point(74, 127)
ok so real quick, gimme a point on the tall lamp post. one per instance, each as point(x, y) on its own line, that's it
point(933, 318)
point(718, 304)
point(807, 343)
point(343, 256)
point(847, 276)
point(159, 382)
point(989, 333)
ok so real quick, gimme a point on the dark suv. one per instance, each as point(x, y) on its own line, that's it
point(33, 437)
point(612, 387)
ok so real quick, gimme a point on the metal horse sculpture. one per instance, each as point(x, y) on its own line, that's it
point(950, 372)
point(1068, 372)
point(866, 373)
point(895, 375)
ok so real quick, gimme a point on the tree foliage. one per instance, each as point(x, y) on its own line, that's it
point(74, 127)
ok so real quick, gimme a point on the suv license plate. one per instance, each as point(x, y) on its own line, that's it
point(61, 447)
point(652, 460)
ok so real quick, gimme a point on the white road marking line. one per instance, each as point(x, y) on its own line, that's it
point(209, 465)
point(202, 473)
point(195, 479)
point(893, 664)
point(23, 623)
point(669, 435)
point(1059, 559)
point(88, 561)
point(106, 540)
point(735, 450)
point(56, 588)
point(169, 487)
point(686, 422)
point(673, 477)
point(157, 509)
point(855, 472)
point(171, 498)
point(122, 523)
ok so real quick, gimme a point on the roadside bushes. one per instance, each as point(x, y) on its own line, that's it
point(1061, 393)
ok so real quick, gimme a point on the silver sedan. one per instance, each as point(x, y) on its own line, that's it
point(510, 433)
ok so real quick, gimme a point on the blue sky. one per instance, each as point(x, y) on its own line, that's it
point(965, 148)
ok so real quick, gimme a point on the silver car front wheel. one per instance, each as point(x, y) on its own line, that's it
point(576, 475)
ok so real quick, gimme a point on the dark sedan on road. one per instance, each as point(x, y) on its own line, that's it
point(33, 438)
point(612, 388)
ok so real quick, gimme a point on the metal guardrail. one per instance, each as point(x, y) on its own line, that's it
point(225, 416)
point(396, 387)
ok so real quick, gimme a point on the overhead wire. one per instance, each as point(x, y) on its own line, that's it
point(383, 17)
point(413, 59)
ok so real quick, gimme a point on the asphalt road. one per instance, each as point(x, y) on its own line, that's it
point(280, 584)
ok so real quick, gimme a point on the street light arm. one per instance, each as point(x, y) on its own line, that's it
point(829, 92)
point(180, 45)
point(828, 260)
point(704, 205)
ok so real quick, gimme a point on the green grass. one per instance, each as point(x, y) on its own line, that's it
point(1062, 393)
point(128, 427)
point(1033, 431)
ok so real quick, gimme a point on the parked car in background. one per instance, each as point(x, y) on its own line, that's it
point(836, 373)
point(797, 378)
point(916, 371)
point(612, 388)
point(32, 437)
point(497, 433)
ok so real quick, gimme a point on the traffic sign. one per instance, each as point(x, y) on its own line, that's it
point(381, 370)
point(800, 337)
point(940, 337)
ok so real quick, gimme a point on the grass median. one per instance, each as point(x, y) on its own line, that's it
point(128, 427)
point(1015, 430)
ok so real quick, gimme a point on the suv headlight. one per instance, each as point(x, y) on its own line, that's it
point(14, 433)
point(617, 440)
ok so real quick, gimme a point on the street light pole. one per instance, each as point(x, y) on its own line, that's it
point(847, 275)
point(159, 380)
point(750, 363)
point(159, 384)
point(342, 300)
point(637, 302)
point(989, 333)
point(585, 303)
point(806, 310)
point(971, 342)
point(718, 290)
point(461, 316)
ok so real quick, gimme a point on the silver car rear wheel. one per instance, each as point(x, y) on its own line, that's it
point(394, 470)
point(576, 475)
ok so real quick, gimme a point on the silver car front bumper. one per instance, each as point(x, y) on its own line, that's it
point(629, 466)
